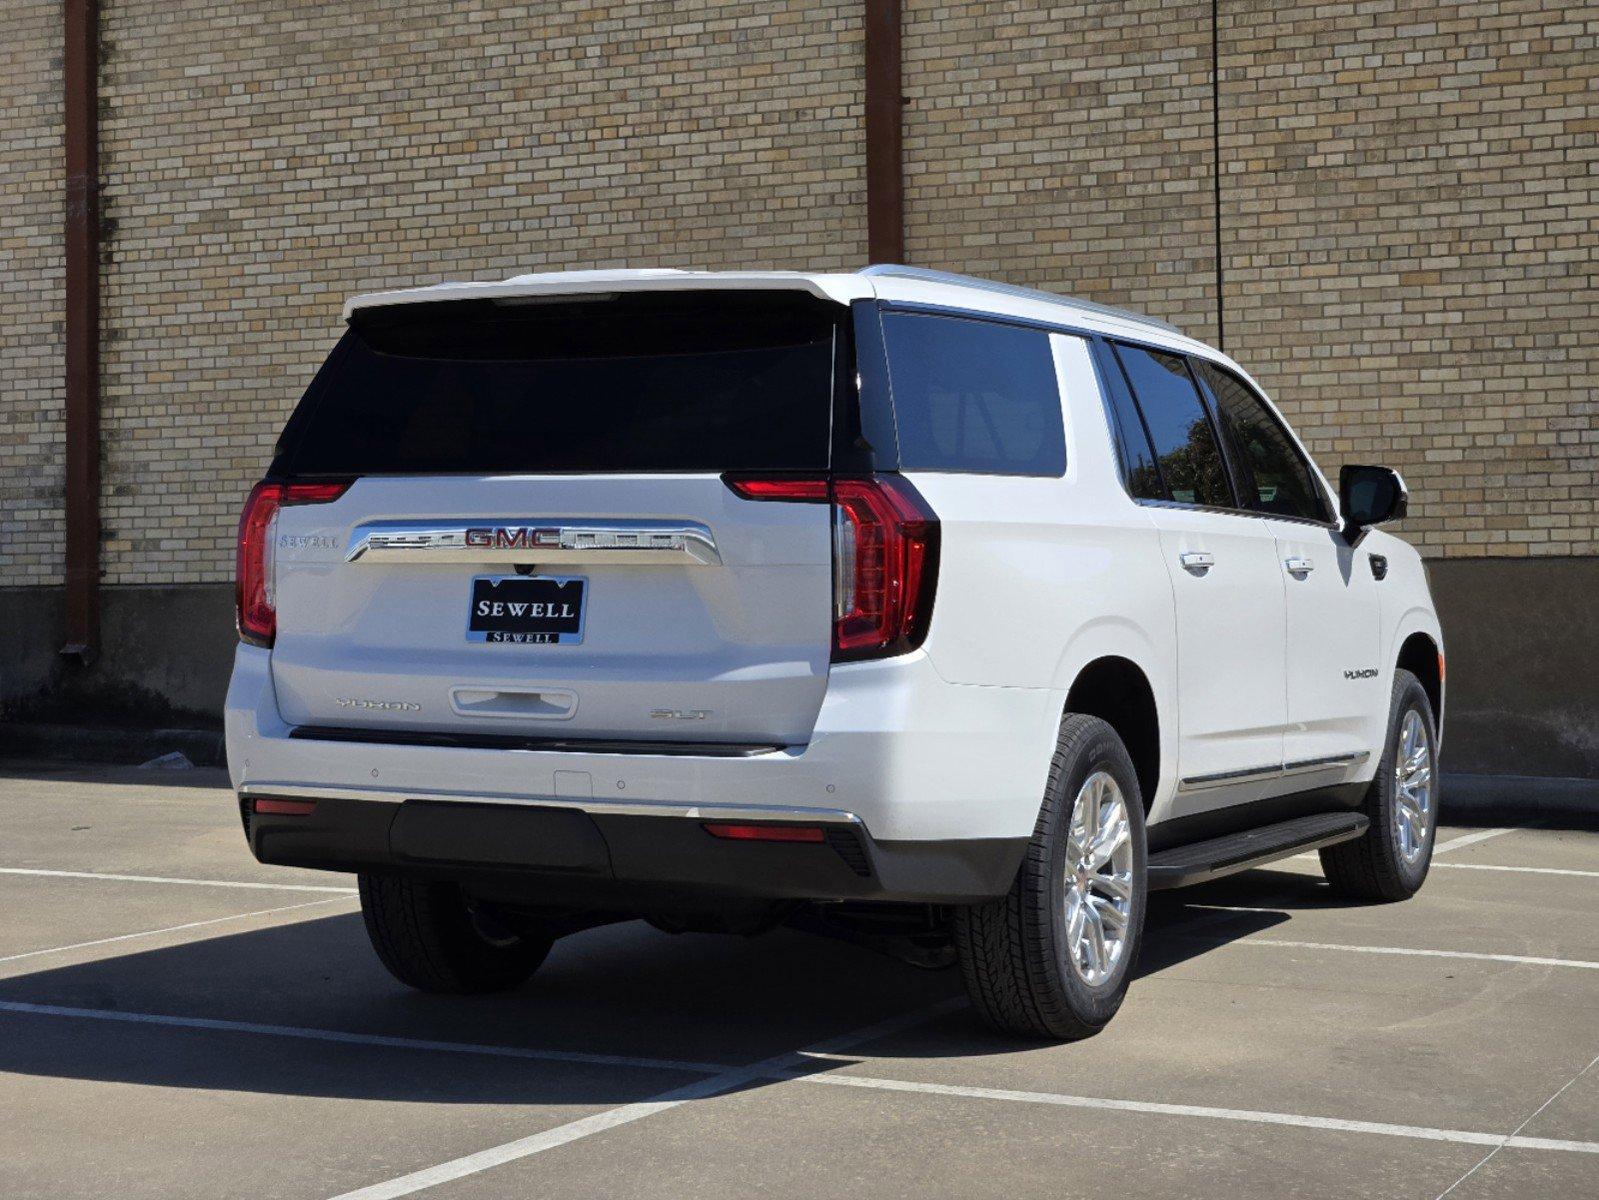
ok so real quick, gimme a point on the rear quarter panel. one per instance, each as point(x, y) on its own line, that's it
point(1040, 577)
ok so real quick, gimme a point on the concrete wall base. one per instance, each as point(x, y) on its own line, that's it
point(164, 657)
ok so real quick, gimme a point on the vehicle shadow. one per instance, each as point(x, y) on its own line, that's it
point(625, 990)
point(119, 776)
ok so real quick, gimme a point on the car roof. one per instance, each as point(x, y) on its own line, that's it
point(890, 282)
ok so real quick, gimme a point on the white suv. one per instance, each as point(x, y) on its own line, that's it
point(947, 614)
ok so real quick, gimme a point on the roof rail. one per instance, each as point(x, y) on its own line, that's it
point(896, 271)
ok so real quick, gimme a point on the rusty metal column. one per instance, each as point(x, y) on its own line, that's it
point(80, 75)
point(885, 102)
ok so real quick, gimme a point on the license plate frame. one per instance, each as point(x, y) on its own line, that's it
point(501, 627)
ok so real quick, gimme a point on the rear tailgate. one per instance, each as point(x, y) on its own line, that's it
point(537, 541)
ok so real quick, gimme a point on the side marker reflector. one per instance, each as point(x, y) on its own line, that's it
point(768, 833)
point(284, 808)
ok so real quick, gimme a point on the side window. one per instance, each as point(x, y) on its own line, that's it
point(1143, 476)
point(1179, 428)
point(974, 396)
point(1275, 477)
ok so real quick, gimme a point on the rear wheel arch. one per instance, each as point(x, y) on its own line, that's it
point(1118, 692)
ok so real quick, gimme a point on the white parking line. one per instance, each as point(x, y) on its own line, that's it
point(785, 1068)
point(360, 1039)
point(1465, 839)
point(1472, 954)
point(1221, 912)
point(625, 1114)
point(1381, 1128)
point(1521, 870)
point(223, 883)
point(124, 937)
point(1468, 839)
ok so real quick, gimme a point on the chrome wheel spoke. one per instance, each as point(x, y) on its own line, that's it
point(1120, 887)
point(1088, 814)
point(1074, 845)
point(1076, 912)
point(1106, 845)
point(1108, 916)
point(1095, 942)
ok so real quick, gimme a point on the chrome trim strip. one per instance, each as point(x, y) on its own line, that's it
point(1224, 777)
point(1332, 760)
point(522, 540)
point(630, 808)
point(1255, 774)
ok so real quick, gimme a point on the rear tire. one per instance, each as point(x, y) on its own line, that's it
point(1390, 860)
point(429, 937)
point(1032, 961)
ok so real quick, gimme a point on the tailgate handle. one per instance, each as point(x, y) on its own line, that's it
point(685, 543)
point(539, 704)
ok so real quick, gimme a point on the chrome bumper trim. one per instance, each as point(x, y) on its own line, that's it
point(623, 808)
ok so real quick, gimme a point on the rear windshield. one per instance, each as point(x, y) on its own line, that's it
point(705, 381)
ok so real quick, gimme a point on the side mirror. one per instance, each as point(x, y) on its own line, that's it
point(1369, 496)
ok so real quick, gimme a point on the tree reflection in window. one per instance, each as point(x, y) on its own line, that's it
point(1185, 444)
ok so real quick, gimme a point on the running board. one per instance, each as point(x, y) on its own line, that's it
point(1202, 861)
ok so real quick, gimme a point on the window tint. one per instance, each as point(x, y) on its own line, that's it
point(1274, 476)
point(1138, 459)
point(1185, 443)
point(974, 396)
point(634, 382)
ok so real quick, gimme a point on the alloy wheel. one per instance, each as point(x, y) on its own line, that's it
point(1413, 787)
point(1099, 879)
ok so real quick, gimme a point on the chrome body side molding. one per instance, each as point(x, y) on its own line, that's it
point(1197, 783)
point(686, 543)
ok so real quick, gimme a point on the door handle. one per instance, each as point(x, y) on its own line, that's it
point(1299, 566)
point(1197, 561)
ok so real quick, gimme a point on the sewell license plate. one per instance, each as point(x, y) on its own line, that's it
point(528, 610)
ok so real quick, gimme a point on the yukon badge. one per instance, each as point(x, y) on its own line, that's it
point(382, 705)
point(680, 714)
point(1363, 673)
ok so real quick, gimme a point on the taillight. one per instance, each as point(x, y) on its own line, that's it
point(255, 604)
point(885, 558)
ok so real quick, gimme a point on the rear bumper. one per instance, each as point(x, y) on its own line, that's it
point(626, 860)
point(940, 783)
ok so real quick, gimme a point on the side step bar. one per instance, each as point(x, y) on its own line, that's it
point(1202, 861)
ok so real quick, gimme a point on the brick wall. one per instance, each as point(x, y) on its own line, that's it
point(1408, 202)
point(265, 160)
point(32, 294)
point(1408, 210)
point(1065, 146)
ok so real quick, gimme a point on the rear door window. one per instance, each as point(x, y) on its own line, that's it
point(974, 396)
point(1138, 456)
point(1179, 427)
point(1274, 476)
point(631, 382)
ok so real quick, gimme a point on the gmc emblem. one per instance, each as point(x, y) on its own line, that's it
point(511, 537)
